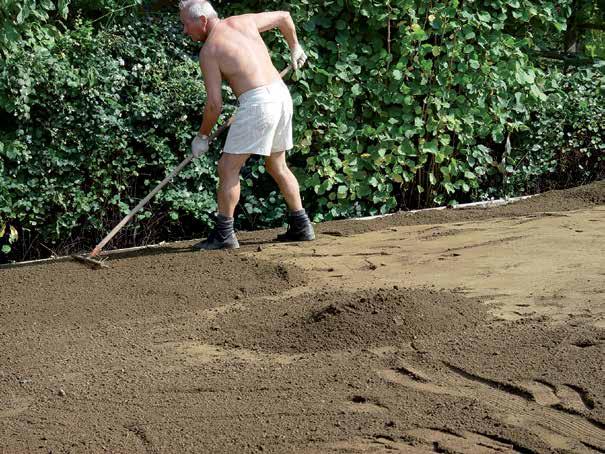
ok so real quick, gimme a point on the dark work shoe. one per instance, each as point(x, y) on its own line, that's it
point(299, 228)
point(216, 241)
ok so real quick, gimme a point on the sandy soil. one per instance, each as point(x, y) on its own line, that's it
point(457, 331)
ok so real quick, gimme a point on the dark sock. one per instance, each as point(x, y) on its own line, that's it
point(224, 226)
point(299, 217)
point(300, 227)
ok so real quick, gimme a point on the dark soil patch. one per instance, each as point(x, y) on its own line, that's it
point(340, 321)
point(143, 286)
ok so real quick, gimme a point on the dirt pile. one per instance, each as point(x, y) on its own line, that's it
point(335, 320)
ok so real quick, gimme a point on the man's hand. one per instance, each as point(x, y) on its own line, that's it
point(298, 57)
point(199, 146)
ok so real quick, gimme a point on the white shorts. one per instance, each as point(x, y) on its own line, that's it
point(263, 121)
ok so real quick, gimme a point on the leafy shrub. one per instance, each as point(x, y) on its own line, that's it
point(408, 104)
point(94, 121)
point(565, 143)
point(20, 18)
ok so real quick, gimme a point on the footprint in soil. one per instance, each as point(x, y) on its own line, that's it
point(555, 414)
point(382, 444)
point(425, 441)
point(466, 442)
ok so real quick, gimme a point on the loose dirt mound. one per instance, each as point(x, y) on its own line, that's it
point(341, 321)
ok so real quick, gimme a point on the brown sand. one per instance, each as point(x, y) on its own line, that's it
point(459, 331)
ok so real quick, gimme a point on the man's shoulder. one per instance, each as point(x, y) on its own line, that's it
point(208, 50)
point(243, 24)
point(240, 20)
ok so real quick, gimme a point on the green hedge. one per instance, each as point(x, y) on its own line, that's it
point(565, 143)
point(96, 119)
point(401, 105)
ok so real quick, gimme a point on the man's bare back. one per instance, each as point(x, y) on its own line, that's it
point(235, 51)
point(242, 57)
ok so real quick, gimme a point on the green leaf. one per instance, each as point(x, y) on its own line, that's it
point(63, 8)
point(47, 5)
point(13, 235)
point(484, 16)
point(537, 93)
point(524, 77)
point(430, 147)
point(449, 187)
point(19, 18)
point(418, 33)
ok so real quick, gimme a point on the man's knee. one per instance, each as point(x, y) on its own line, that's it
point(276, 168)
point(229, 166)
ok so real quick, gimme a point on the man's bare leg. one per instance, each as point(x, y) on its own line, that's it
point(223, 235)
point(300, 227)
point(286, 181)
point(228, 193)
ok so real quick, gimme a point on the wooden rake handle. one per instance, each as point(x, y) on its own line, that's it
point(99, 247)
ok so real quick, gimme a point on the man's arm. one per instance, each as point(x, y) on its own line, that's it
point(283, 20)
point(214, 99)
point(280, 19)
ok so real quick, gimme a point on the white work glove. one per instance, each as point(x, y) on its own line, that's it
point(199, 146)
point(298, 57)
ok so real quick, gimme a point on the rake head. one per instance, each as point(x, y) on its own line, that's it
point(93, 263)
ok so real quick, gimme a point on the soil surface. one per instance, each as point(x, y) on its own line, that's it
point(455, 331)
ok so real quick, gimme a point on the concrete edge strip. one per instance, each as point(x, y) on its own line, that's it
point(486, 204)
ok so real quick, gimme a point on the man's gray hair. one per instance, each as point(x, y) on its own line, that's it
point(198, 8)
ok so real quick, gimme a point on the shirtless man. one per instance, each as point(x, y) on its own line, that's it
point(234, 50)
